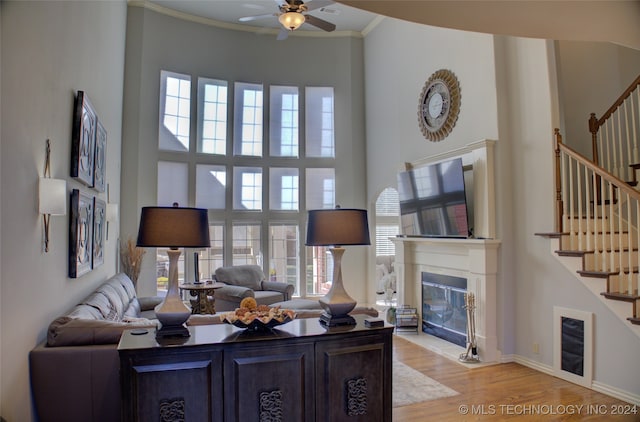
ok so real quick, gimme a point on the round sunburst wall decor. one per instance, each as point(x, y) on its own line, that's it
point(439, 105)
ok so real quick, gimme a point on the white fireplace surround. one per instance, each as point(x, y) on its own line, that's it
point(473, 259)
point(476, 260)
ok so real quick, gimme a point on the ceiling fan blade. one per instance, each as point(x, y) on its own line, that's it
point(253, 18)
point(319, 23)
point(283, 34)
point(281, 3)
point(317, 4)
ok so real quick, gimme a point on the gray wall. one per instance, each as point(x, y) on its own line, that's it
point(49, 50)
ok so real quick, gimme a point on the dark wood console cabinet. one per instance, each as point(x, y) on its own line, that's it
point(300, 371)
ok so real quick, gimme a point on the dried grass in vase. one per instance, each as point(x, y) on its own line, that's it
point(131, 259)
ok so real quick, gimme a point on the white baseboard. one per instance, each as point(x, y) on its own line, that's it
point(614, 392)
point(541, 367)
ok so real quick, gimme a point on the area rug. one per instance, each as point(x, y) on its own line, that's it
point(411, 386)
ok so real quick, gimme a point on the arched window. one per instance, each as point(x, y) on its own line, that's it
point(387, 225)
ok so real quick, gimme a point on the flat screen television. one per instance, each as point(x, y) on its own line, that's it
point(433, 201)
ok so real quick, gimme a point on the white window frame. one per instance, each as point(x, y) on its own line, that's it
point(219, 120)
point(230, 217)
point(168, 136)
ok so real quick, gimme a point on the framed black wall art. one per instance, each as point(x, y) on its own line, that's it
point(99, 227)
point(100, 159)
point(83, 140)
point(80, 234)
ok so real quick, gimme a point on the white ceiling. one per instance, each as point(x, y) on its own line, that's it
point(345, 18)
point(581, 20)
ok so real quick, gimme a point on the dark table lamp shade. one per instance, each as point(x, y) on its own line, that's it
point(337, 227)
point(173, 227)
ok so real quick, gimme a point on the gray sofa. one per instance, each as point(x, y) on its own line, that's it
point(248, 281)
point(75, 372)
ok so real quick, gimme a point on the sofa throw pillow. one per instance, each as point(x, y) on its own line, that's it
point(115, 301)
point(250, 276)
point(99, 301)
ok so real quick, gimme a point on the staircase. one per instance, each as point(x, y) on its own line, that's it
point(598, 210)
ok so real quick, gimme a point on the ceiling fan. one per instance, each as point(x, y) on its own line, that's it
point(292, 14)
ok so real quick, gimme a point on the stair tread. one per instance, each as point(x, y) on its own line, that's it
point(570, 252)
point(635, 166)
point(621, 296)
point(594, 273)
point(565, 252)
point(635, 321)
point(552, 235)
point(608, 250)
point(599, 232)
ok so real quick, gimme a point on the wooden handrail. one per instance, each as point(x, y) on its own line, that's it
point(595, 123)
point(618, 183)
point(599, 122)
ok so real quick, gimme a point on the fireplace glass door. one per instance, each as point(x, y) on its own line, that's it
point(443, 312)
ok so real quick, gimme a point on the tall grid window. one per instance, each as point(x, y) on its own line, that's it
point(248, 120)
point(211, 186)
point(247, 246)
point(289, 126)
point(257, 202)
point(320, 188)
point(283, 188)
point(284, 121)
point(283, 252)
point(328, 193)
point(175, 111)
point(320, 122)
point(213, 257)
point(289, 193)
point(247, 188)
point(212, 127)
point(327, 147)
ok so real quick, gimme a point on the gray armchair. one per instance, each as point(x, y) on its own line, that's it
point(248, 281)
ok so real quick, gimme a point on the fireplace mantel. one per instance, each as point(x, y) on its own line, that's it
point(473, 259)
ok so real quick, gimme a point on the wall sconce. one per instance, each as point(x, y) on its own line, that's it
point(52, 196)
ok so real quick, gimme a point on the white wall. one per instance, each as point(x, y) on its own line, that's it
point(49, 50)
point(399, 58)
point(158, 42)
point(539, 280)
point(509, 93)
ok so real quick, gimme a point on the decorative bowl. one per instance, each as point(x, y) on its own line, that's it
point(257, 324)
point(262, 318)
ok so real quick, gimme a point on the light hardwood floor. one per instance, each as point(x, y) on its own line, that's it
point(502, 392)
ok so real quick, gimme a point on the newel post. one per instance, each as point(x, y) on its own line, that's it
point(593, 128)
point(558, 181)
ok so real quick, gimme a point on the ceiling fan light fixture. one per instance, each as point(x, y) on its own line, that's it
point(291, 20)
